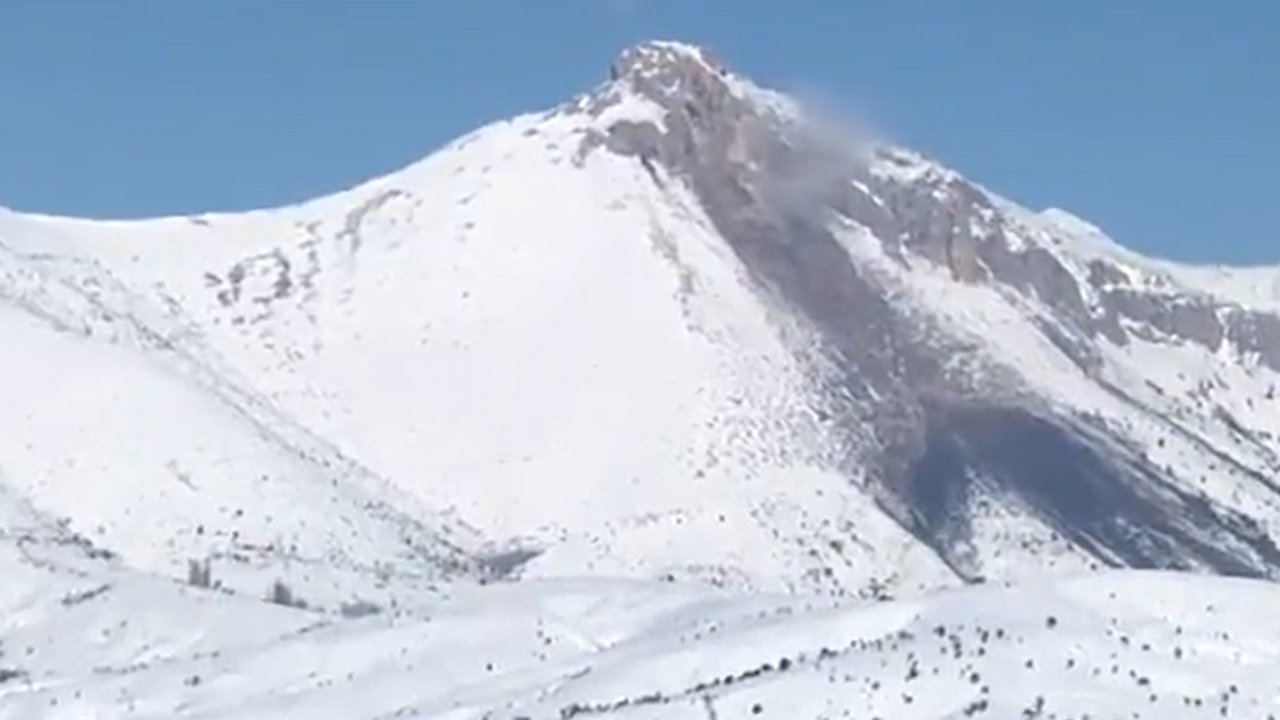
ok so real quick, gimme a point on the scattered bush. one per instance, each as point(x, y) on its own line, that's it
point(359, 609)
point(282, 594)
point(199, 574)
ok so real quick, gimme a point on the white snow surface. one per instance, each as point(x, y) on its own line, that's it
point(1256, 288)
point(84, 639)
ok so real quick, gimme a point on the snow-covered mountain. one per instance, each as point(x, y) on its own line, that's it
point(675, 329)
point(672, 327)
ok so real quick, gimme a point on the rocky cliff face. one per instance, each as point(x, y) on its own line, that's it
point(943, 444)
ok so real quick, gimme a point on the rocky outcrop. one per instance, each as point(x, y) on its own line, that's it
point(771, 184)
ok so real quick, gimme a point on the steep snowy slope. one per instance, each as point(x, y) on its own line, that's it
point(673, 328)
point(542, 339)
point(115, 424)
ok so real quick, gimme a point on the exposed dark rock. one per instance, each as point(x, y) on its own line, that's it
point(1256, 332)
point(1103, 275)
point(1101, 496)
point(927, 439)
point(1176, 318)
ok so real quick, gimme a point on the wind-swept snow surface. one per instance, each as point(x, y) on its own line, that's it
point(1131, 645)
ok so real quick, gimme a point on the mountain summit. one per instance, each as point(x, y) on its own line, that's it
point(677, 327)
point(963, 392)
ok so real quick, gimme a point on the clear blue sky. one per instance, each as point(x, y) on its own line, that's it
point(1157, 119)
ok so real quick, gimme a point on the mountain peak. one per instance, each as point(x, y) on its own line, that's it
point(673, 75)
point(656, 58)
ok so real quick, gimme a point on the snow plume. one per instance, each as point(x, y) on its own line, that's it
point(845, 118)
point(827, 150)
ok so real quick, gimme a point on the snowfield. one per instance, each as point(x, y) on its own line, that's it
point(109, 644)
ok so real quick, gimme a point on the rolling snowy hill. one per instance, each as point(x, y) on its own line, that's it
point(1131, 645)
point(674, 333)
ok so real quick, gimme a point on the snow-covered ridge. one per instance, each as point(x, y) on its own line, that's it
point(1254, 287)
point(1136, 645)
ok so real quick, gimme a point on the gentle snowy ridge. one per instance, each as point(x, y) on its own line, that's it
point(1128, 645)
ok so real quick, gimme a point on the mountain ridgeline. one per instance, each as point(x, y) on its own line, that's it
point(775, 188)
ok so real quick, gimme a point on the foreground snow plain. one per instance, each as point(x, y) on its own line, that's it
point(82, 638)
